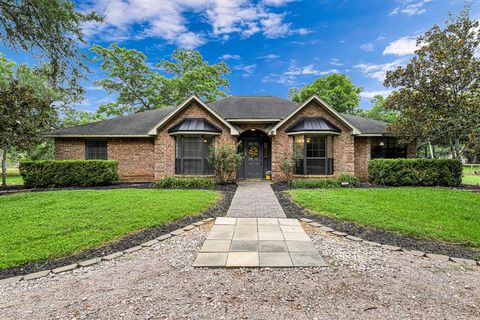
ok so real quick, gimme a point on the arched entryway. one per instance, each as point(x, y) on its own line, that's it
point(257, 158)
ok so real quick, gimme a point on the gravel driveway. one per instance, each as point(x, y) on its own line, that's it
point(158, 282)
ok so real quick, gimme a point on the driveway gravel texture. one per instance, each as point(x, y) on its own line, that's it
point(159, 282)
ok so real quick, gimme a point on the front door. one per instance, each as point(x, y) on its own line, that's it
point(253, 160)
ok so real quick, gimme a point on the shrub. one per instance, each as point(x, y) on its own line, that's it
point(225, 160)
point(327, 183)
point(415, 172)
point(68, 173)
point(288, 163)
point(352, 180)
point(185, 182)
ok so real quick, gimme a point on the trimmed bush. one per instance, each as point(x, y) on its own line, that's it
point(327, 183)
point(68, 173)
point(415, 172)
point(185, 182)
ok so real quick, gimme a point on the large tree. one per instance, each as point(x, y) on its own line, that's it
point(438, 92)
point(378, 111)
point(51, 30)
point(141, 87)
point(336, 89)
point(26, 111)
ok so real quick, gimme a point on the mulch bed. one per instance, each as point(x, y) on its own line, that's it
point(293, 210)
point(217, 210)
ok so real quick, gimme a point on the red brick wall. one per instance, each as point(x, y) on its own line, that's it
point(343, 144)
point(135, 156)
point(69, 149)
point(362, 156)
point(165, 144)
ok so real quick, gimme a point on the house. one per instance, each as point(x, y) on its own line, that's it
point(175, 140)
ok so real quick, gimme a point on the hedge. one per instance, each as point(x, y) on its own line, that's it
point(185, 182)
point(326, 183)
point(68, 173)
point(415, 172)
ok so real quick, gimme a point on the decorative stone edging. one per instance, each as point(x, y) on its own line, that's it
point(416, 253)
point(96, 260)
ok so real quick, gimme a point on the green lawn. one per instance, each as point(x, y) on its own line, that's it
point(13, 177)
point(37, 226)
point(430, 213)
point(469, 177)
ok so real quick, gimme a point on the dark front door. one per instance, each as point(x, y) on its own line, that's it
point(253, 160)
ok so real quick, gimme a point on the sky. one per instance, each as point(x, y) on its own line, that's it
point(270, 45)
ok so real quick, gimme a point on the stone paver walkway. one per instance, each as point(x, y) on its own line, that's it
point(255, 200)
point(258, 242)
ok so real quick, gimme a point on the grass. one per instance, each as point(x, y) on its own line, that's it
point(469, 177)
point(429, 213)
point(13, 177)
point(37, 226)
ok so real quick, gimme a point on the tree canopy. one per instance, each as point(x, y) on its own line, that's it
point(141, 87)
point(49, 29)
point(336, 89)
point(438, 93)
point(378, 111)
point(26, 111)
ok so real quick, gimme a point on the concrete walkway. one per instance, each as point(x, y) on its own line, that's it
point(258, 242)
point(257, 233)
point(255, 200)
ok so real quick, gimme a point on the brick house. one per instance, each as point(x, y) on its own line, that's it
point(175, 140)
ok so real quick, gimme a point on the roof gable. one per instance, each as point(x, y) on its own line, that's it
point(321, 103)
point(186, 103)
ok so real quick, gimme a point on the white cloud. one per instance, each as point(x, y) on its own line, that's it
point(402, 47)
point(336, 62)
point(247, 70)
point(289, 76)
point(367, 47)
point(269, 57)
point(411, 8)
point(276, 3)
point(371, 94)
point(378, 71)
point(228, 56)
point(167, 19)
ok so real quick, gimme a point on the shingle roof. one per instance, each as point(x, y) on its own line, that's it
point(135, 124)
point(313, 124)
point(366, 125)
point(253, 107)
point(230, 108)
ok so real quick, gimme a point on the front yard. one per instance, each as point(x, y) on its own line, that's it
point(43, 225)
point(429, 213)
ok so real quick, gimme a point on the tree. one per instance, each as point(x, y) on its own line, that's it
point(51, 29)
point(438, 92)
point(26, 110)
point(378, 111)
point(225, 160)
point(140, 88)
point(336, 89)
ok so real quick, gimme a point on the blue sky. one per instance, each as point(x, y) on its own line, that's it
point(270, 45)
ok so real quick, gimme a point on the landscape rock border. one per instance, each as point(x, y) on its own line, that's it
point(408, 243)
point(96, 260)
point(416, 253)
point(128, 242)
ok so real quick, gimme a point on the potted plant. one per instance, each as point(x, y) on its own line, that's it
point(268, 175)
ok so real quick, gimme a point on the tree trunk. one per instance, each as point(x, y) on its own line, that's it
point(430, 149)
point(458, 152)
point(4, 166)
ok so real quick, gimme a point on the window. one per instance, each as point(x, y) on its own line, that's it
point(315, 153)
point(191, 155)
point(387, 148)
point(96, 150)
